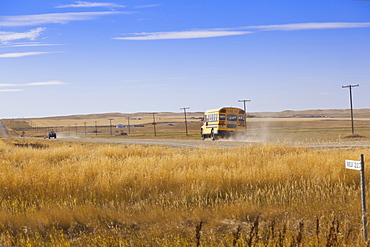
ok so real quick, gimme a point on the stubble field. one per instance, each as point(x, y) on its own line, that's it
point(267, 193)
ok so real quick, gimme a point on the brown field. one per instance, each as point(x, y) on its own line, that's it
point(287, 126)
point(99, 124)
point(59, 193)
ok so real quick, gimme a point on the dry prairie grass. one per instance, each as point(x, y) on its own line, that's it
point(69, 194)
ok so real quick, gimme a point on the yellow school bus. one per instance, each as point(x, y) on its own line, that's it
point(223, 122)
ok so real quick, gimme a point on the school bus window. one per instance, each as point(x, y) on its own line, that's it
point(212, 118)
point(222, 117)
point(241, 118)
point(231, 117)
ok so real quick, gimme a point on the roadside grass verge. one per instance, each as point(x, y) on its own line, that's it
point(131, 195)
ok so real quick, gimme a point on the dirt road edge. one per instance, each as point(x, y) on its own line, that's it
point(3, 131)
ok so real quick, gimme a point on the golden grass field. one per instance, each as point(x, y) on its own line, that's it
point(70, 194)
point(58, 193)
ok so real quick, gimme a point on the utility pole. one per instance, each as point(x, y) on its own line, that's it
point(85, 127)
point(154, 124)
point(186, 122)
point(110, 125)
point(96, 127)
point(350, 102)
point(76, 128)
point(245, 106)
point(245, 110)
point(128, 125)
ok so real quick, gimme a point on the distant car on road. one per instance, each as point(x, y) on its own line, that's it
point(52, 134)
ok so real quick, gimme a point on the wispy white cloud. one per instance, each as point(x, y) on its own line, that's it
point(6, 37)
point(25, 54)
point(182, 35)
point(27, 44)
point(45, 83)
point(309, 26)
point(81, 4)
point(146, 6)
point(219, 32)
point(53, 18)
point(8, 85)
point(11, 90)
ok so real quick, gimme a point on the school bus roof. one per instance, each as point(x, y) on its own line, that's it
point(218, 109)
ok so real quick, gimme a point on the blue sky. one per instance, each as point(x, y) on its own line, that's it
point(79, 57)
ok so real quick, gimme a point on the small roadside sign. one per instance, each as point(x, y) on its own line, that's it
point(353, 164)
point(360, 166)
